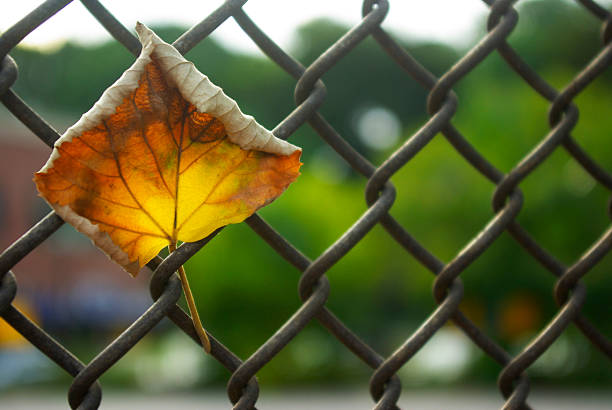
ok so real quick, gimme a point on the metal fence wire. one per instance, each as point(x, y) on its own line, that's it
point(314, 288)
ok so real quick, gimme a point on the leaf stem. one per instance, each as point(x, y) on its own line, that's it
point(195, 317)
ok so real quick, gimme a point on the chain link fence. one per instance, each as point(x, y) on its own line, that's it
point(314, 288)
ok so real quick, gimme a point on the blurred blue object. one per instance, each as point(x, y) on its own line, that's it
point(21, 366)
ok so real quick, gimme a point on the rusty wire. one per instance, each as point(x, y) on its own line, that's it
point(314, 288)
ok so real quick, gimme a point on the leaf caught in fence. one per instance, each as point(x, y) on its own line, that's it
point(163, 156)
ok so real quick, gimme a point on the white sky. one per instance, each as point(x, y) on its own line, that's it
point(451, 21)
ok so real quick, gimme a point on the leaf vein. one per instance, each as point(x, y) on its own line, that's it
point(212, 190)
point(85, 164)
point(110, 135)
point(123, 228)
point(146, 141)
point(93, 149)
point(178, 167)
point(90, 191)
point(181, 172)
point(194, 139)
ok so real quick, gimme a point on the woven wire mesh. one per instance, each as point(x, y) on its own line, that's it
point(314, 287)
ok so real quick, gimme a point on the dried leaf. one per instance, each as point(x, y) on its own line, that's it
point(163, 156)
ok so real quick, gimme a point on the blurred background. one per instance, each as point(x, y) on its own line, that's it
point(244, 290)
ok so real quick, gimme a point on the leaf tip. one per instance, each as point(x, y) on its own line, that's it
point(144, 33)
point(140, 28)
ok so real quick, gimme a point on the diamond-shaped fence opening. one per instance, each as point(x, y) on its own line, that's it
point(505, 224)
